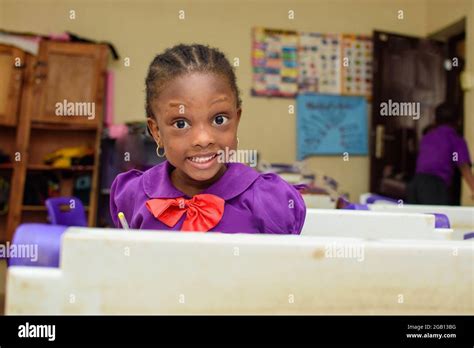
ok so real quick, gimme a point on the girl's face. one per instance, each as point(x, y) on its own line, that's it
point(196, 116)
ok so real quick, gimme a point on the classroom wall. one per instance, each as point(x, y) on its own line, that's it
point(140, 29)
point(440, 14)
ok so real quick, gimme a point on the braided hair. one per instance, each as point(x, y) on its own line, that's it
point(182, 59)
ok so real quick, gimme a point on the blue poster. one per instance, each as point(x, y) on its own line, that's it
point(331, 125)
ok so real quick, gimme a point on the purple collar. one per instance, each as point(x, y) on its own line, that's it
point(236, 179)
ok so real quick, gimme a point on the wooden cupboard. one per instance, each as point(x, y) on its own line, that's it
point(45, 105)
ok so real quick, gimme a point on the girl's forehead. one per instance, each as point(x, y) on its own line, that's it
point(196, 87)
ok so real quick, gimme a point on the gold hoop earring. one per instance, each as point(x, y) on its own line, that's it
point(158, 152)
point(237, 141)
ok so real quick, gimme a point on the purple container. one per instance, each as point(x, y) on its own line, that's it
point(374, 198)
point(40, 245)
point(441, 220)
point(469, 235)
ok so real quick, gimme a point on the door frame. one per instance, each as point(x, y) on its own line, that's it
point(451, 35)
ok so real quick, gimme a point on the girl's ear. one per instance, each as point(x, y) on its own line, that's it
point(239, 113)
point(153, 129)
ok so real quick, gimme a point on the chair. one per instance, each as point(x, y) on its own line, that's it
point(40, 245)
point(66, 211)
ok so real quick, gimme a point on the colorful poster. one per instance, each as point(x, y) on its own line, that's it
point(357, 65)
point(286, 63)
point(319, 59)
point(331, 125)
point(275, 64)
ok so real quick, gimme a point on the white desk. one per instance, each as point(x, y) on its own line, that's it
point(372, 225)
point(137, 272)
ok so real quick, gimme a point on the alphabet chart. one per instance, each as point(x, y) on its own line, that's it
point(286, 63)
point(274, 61)
point(319, 63)
point(356, 65)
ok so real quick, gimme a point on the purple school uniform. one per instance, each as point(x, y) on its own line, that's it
point(437, 153)
point(254, 202)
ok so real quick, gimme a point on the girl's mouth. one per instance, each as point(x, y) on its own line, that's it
point(202, 161)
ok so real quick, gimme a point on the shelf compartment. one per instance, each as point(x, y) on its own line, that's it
point(40, 208)
point(62, 126)
point(75, 168)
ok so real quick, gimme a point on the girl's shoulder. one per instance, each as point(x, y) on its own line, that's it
point(129, 191)
point(127, 178)
point(272, 186)
point(278, 205)
point(152, 183)
point(244, 180)
point(132, 181)
point(128, 183)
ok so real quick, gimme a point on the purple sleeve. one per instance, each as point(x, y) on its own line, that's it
point(278, 206)
point(121, 196)
point(460, 147)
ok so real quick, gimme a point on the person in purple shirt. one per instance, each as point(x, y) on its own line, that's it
point(441, 151)
point(193, 110)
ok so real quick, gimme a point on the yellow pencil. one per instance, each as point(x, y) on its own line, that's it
point(123, 221)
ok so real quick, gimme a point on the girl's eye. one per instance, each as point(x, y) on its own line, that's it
point(221, 119)
point(181, 124)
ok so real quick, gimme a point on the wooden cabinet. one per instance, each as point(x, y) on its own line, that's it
point(55, 100)
point(12, 63)
point(68, 83)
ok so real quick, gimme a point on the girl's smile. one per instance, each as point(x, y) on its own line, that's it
point(203, 161)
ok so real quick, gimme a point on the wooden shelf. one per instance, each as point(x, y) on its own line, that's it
point(62, 126)
point(51, 168)
point(36, 128)
point(40, 208)
point(33, 208)
point(8, 125)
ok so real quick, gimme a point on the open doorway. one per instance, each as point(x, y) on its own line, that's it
point(410, 70)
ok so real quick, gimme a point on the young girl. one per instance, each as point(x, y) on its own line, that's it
point(193, 111)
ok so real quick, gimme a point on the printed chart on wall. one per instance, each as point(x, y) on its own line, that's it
point(319, 63)
point(331, 125)
point(357, 65)
point(274, 61)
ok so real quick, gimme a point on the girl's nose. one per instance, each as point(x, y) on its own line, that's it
point(203, 137)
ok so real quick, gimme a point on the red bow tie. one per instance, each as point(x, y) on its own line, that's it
point(203, 211)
